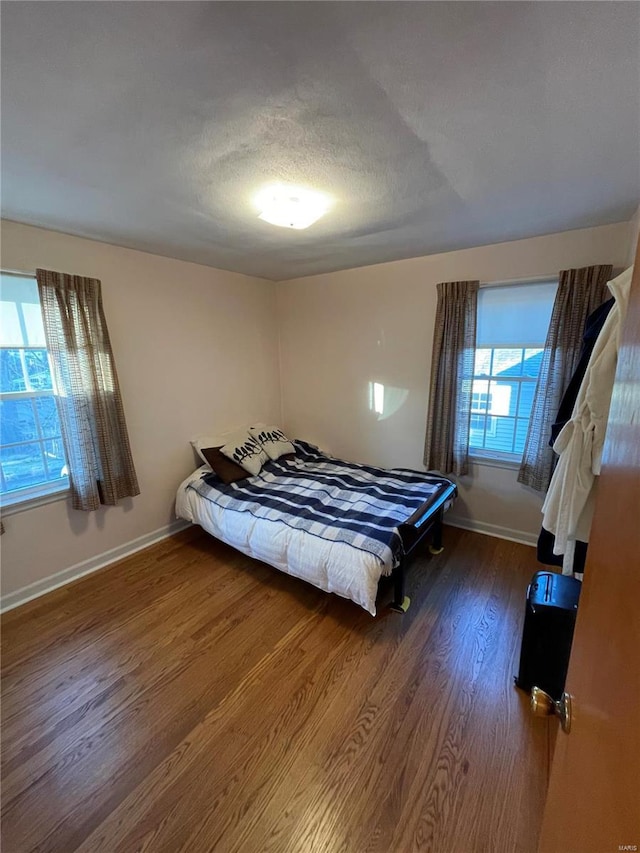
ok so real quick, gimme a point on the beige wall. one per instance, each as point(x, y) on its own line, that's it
point(341, 331)
point(195, 348)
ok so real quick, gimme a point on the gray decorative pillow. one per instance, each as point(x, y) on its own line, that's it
point(272, 440)
point(245, 450)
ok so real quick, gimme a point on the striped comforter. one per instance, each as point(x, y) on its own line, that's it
point(334, 500)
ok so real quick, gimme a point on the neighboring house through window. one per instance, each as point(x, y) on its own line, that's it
point(32, 460)
point(511, 333)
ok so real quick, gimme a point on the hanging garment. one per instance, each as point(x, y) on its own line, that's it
point(545, 554)
point(568, 507)
point(592, 329)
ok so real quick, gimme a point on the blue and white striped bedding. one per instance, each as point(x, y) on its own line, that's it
point(358, 505)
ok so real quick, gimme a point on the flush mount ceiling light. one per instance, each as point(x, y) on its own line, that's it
point(290, 206)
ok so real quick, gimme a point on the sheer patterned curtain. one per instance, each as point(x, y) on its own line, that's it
point(447, 440)
point(94, 433)
point(580, 291)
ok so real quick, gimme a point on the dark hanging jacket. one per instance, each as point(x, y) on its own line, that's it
point(593, 326)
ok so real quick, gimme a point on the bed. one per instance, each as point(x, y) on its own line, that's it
point(339, 525)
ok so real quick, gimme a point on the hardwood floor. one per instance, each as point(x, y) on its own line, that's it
point(189, 698)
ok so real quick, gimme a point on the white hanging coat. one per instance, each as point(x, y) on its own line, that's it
point(568, 507)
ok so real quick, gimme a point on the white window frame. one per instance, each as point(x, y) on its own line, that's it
point(40, 493)
point(487, 453)
point(499, 458)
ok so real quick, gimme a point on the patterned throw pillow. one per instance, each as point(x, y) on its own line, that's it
point(246, 451)
point(272, 440)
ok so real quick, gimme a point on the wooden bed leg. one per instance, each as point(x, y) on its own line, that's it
point(401, 602)
point(436, 543)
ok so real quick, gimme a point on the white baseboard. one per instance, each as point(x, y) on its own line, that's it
point(86, 567)
point(496, 530)
point(93, 564)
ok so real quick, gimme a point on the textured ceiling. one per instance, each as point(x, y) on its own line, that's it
point(435, 126)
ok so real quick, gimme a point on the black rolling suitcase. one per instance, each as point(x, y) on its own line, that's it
point(550, 615)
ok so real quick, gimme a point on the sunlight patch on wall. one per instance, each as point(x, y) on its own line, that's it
point(386, 400)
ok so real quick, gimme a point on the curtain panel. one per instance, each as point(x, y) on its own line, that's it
point(94, 432)
point(454, 341)
point(580, 292)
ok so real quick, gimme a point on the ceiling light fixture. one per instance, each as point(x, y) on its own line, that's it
point(291, 206)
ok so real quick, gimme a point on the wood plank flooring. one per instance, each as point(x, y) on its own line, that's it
point(191, 699)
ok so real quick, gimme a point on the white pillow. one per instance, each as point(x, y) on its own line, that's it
point(272, 440)
point(204, 440)
point(244, 450)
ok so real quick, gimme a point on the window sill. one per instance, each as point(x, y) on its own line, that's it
point(495, 462)
point(22, 504)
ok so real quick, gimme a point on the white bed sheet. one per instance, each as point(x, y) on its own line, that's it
point(331, 566)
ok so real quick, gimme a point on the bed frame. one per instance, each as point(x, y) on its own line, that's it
point(425, 521)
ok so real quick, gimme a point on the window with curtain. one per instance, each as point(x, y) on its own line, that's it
point(94, 432)
point(32, 458)
point(446, 447)
point(512, 326)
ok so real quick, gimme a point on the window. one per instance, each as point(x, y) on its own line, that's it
point(512, 329)
point(32, 461)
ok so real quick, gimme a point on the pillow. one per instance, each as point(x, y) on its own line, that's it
point(227, 470)
point(207, 441)
point(273, 441)
point(246, 451)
